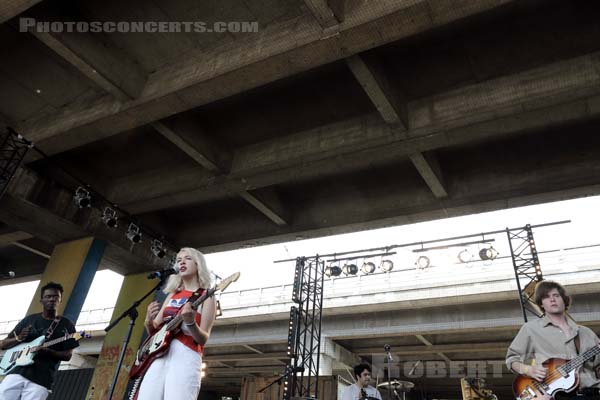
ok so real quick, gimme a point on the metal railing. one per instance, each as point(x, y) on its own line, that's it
point(403, 278)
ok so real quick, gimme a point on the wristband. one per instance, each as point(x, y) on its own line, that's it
point(16, 337)
point(190, 323)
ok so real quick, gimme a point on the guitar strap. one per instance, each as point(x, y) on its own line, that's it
point(577, 343)
point(52, 327)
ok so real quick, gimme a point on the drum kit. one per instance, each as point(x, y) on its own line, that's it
point(396, 388)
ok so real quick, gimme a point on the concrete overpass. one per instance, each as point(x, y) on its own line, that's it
point(335, 116)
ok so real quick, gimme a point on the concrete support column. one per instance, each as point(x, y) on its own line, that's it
point(325, 365)
point(336, 356)
point(134, 287)
point(73, 265)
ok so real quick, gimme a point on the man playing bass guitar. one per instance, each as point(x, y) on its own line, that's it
point(540, 351)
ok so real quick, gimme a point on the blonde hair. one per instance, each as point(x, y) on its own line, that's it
point(204, 278)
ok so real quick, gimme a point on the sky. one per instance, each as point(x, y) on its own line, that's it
point(258, 269)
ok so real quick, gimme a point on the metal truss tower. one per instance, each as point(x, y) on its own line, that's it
point(13, 148)
point(304, 336)
point(526, 263)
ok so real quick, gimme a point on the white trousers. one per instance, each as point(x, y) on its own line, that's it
point(15, 387)
point(174, 376)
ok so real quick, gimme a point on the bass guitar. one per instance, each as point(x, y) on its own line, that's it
point(23, 353)
point(562, 376)
point(158, 344)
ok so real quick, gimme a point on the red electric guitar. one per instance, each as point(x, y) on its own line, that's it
point(158, 344)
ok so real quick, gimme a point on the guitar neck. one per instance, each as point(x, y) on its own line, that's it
point(54, 341)
point(581, 359)
point(175, 321)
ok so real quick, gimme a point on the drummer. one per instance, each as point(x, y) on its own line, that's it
point(361, 389)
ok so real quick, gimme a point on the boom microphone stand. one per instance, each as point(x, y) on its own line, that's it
point(388, 359)
point(132, 313)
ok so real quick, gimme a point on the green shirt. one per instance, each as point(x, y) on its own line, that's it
point(541, 340)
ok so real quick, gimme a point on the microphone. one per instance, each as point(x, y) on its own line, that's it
point(163, 273)
point(388, 349)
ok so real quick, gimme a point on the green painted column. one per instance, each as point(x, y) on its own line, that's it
point(73, 265)
point(134, 287)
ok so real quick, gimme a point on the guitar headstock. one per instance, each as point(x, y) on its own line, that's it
point(81, 335)
point(227, 281)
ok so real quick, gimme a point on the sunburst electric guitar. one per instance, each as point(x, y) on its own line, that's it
point(562, 376)
point(23, 353)
point(158, 344)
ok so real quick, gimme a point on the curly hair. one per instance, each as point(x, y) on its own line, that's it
point(544, 287)
point(204, 278)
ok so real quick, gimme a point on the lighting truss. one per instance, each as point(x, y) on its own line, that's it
point(526, 263)
point(304, 336)
point(13, 148)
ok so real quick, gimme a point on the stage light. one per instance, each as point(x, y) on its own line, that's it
point(82, 197)
point(465, 256)
point(157, 248)
point(203, 370)
point(292, 332)
point(423, 262)
point(134, 233)
point(350, 269)
point(489, 253)
point(333, 270)
point(109, 217)
point(387, 265)
point(368, 268)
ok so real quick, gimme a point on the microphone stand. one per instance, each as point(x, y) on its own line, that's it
point(132, 313)
point(276, 381)
point(388, 359)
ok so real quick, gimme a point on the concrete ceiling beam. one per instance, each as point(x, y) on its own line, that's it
point(269, 55)
point(528, 100)
point(431, 172)
point(32, 250)
point(268, 202)
point(429, 344)
point(195, 143)
point(323, 10)
point(392, 107)
point(100, 63)
point(15, 236)
point(12, 8)
point(389, 102)
point(93, 55)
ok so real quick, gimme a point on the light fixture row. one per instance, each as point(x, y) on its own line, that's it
point(387, 265)
point(368, 267)
point(83, 199)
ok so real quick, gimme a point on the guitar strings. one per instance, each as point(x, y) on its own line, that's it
point(557, 372)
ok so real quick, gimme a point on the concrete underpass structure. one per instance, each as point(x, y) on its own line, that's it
point(333, 116)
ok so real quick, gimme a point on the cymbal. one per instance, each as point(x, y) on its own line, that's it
point(404, 386)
